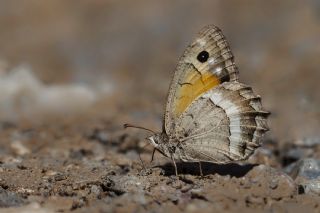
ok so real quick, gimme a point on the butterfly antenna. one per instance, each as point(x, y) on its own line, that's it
point(138, 127)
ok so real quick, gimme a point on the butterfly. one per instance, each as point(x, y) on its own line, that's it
point(209, 115)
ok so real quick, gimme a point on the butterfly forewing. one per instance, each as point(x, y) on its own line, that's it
point(206, 63)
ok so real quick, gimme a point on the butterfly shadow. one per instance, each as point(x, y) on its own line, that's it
point(232, 169)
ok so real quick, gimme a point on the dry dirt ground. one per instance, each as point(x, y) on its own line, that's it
point(124, 53)
point(91, 164)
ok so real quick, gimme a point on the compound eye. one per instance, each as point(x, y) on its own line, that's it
point(203, 56)
point(153, 141)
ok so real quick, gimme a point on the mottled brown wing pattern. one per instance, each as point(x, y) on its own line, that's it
point(206, 63)
point(225, 124)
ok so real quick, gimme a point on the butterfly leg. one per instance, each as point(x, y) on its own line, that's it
point(200, 168)
point(143, 167)
point(175, 166)
point(154, 150)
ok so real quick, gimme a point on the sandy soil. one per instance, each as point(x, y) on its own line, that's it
point(88, 67)
point(92, 164)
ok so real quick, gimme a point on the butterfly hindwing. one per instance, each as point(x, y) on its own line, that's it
point(224, 124)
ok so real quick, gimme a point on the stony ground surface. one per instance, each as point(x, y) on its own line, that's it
point(92, 165)
point(73, 72)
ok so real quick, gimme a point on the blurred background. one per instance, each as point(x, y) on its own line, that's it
point(114, 59)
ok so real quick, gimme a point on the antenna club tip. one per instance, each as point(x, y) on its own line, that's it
point(126, 125)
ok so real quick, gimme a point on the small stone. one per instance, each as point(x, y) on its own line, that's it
point(107, 182)
point(66, 191)
point(308, 142)
point(263, 156)
point(273, 184)
point(306, 173)
point(10, 199)
point(59, 177)
point(19, 148)
point(100, 136)
point(294, 153)
point(280, 183)
point(95, 190)
point(174, 198)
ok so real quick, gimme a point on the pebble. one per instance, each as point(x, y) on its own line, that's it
point(294, 153)
point(274, 181)
point(19, 148)
point(95, 190)
point(306, 173)
point(10, 199)
point(308, 142)
point(59, 177)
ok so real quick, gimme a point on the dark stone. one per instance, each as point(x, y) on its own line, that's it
point(10, 199)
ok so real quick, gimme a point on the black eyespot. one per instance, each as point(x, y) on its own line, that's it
point(203, 56)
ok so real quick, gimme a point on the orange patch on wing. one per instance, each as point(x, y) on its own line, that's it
point(194, 85)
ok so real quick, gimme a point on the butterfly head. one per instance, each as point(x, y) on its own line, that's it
point(160, 142)
point(154, 140)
